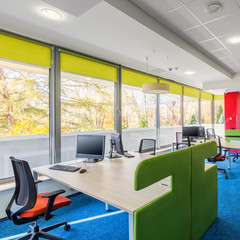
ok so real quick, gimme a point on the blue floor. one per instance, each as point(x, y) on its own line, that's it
point(96, 224)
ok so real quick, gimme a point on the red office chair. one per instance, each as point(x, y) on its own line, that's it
point(28, 206)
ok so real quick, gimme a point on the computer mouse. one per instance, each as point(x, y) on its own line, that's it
point(83, 170)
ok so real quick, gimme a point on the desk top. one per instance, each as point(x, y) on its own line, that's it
point(111, 181)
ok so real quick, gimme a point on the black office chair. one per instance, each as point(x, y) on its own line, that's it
point(219, 158)
point(147, 145)
point(28, 206)
point(180, 142)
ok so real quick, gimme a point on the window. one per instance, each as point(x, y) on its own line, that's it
point(219, 118)
point(190, 110)
point(170, 118)
point(24, 115)
point(206, 113)
point(87, 104)
point(138, 116)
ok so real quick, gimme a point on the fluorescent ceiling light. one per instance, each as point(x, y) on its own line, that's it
point(189, 72)
point(235, 39)
point(51, 14)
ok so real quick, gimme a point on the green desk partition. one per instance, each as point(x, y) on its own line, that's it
point(204, 195)
point(168, 217)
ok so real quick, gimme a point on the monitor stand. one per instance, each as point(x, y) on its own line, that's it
point(92, 160)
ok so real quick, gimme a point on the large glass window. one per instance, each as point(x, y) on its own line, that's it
point(219, 118)
point(87, 105)
point(206, 113)
point(138, 116)
point(170, 118)
point(190, 110)
point(24, 115)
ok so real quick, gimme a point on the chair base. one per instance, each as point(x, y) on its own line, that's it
point(35, 233)
point(235, 156)
point(223, 171)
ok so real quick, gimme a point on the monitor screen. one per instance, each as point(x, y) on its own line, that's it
point(117, 143)
point(201, 131)
point(91, 147)
point(191, 132)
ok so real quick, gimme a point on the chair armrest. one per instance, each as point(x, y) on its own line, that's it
point(51, 198)
point(38, 181)
point(53, 194)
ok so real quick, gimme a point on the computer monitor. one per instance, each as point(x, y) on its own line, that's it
point(192, 132)
point(116, 141)
point(91, 147)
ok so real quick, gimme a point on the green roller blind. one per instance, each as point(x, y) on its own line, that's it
point(218, 97)
point(175, 87)
point(191, 92)
point(86, 66)
point(135, 78)
point(206, 95)
point(20, 49)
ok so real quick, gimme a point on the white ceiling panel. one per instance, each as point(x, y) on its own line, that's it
point(222, 53)
point(155, 7)
point(197, 34)
point(178, 20)
point(74, 7)
point(225, 40)
point(225, 26)
point(211, 45)
point(198, 8)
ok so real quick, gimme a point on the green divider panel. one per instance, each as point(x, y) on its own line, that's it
point(204, 189)
point(176, 88)
point(168, 216)
point(191, 92)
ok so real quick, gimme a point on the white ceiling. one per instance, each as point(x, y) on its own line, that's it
point(105, 31)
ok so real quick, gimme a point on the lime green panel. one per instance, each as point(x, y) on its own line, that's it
point(233, 133)
point(176, 88)
point(135, 78)
point(19, 49)
point(204, 189)
point(168, 216)
point(191, 92)
point(218, 97)
point(206, 96)
point(88, 67)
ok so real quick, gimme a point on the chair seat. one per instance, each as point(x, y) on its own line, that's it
point(219, 158)
point(41, 205)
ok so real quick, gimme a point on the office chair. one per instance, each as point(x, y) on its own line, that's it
point(147, 145)
point(28, 206)
point(210, 133)
point(179, 140)
point(219, 158)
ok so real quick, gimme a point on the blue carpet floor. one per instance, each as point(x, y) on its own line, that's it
point(96, 224)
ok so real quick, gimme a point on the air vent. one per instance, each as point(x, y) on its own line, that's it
point(213, 8)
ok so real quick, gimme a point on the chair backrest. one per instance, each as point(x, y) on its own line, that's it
point(147, 145)
point(178, 137)
point(210, 133)
point(25, 195)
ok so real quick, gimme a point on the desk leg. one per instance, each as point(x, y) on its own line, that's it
point(229, 160)
point(131, 230)
point(173, 146)
point(107, 207)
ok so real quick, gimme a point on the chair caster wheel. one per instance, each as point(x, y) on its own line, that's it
point(67, 227)
point(226, 177)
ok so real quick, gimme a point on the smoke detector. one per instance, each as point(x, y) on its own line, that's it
point(213, 8)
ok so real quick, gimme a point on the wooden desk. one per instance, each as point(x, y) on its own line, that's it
point(111, 181)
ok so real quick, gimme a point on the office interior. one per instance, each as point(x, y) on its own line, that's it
point(82, 73)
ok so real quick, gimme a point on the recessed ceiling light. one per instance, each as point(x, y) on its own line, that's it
point(88, 78)
point(235, 39)
point(51, 14)
point(189, 72)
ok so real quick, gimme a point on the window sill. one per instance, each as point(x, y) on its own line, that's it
point(11, 185)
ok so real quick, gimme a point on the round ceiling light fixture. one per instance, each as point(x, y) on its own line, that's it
point(213, 8)
point(189, 72)
point(235, 39)
point(51, 14)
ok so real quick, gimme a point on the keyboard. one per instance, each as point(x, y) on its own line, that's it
point(128, 155)
point(64, 168)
